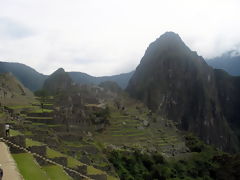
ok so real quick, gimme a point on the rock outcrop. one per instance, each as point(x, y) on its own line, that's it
point(12, 92)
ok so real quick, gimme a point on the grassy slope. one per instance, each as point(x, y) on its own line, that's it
point(56, 172)
point(28, 167)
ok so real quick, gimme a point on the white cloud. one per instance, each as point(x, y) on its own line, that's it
point(109, 36)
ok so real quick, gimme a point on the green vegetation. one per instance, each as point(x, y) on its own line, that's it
point(28, 168)
point(56, 172)
point(2, 114)
point(92, 170)
point(30, 142)
point(42, 111)
point(203, 162)
point(15, 133)
point(52, 153)
point(29, 117)
point(20, 107)
point(71, 161)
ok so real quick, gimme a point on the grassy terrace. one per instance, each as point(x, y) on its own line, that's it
point(15, 133)
point(29, 169)
point(46, 172)
point(42, 111)
point(21, 107)
point(2, 114)
point(29, 117)
point(56, 172)
point(30, 142)
point(72, 163)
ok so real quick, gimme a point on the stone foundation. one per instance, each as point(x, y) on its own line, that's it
point(18, 140)
point(60, 160)
point(99, 176)
point(2, 130)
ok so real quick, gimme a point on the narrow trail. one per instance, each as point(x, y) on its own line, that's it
point(10, 170)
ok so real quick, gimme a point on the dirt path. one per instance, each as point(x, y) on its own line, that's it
point(10, 170)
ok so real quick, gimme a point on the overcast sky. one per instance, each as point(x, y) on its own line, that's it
point(105, 37)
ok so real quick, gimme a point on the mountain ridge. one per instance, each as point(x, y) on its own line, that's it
point(34, 80)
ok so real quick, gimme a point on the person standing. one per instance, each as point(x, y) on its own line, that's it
point(1, 172)
point(7, 128)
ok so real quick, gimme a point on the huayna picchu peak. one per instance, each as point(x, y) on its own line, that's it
point(178, 84)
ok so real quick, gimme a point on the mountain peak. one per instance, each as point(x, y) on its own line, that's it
point(175, 82)
point(57, 81)
point(170, 35)
point(169, 41)
point(59, 70)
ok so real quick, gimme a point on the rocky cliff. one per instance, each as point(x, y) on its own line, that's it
point(178, 84)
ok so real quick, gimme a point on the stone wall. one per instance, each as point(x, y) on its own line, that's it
point(2, 130)
point(18, 140)
point(41, 150)
point(60, 160)
point(99, 176)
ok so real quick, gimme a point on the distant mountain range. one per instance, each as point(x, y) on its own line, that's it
point(83, 78)
point(229, 61)
point(34, 80)
point(29, 77)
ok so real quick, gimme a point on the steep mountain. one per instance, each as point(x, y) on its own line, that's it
point(175, 82)
point(57, 82)
point(229, 88)
point(83, 78)
point(30, 78)
point(229, 61)
point(12, 92)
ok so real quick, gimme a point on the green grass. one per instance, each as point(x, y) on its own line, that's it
point(2, 114)
point(28, 168)
point(20, 107)
point(38, 124)
point(42, 111)
point(30, 142)
point(56, 172)
point(14, 133)
point(71, 161)
point(39, 117)
point(47, 104)
point(28, 133)
point(52, 153)
point(55, 125)
point(92, 170)
point(73, 144)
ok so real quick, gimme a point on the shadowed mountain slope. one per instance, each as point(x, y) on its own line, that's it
point(178, 84)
